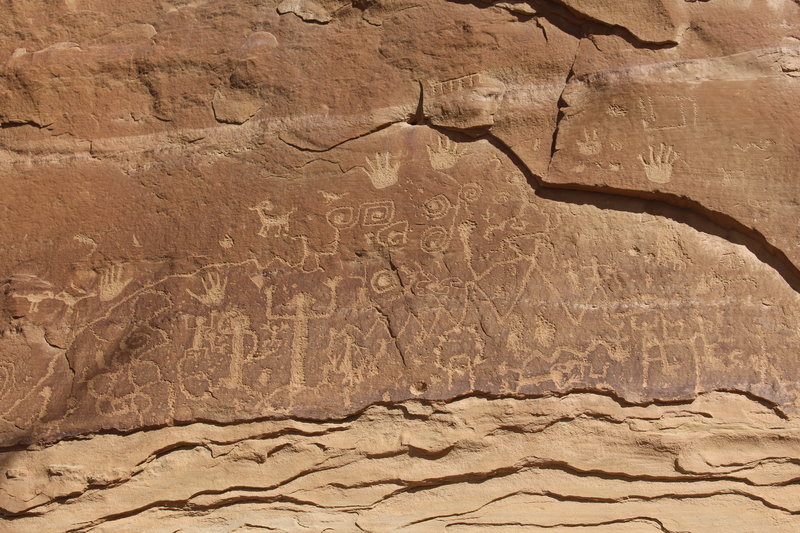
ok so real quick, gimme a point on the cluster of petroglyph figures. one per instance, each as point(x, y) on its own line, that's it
point(658, 115)
point(111, 282)
point(459, 279)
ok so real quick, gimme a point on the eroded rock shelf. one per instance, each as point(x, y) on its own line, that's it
point(580, 462)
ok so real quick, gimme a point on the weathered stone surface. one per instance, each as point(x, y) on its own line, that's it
point(430, 268)
point(711, 123)
point(581, 462)
point(260, 218)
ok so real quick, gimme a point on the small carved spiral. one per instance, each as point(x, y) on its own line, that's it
point(437, 207)
point(470, 192)
point(341, 217)
point(434, 239)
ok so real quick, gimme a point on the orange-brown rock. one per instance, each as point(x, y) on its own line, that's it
point(339, 251)
point(719, 463)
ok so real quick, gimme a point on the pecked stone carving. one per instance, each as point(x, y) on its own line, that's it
point(448, 279)
point(466, 103)
point(416, 265)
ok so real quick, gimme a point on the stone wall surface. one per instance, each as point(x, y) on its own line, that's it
point(400, 265)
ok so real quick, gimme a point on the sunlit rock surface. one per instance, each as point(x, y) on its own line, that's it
point(419, 265)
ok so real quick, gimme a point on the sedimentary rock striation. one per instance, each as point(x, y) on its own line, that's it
point(719, 463)
point(416, 265)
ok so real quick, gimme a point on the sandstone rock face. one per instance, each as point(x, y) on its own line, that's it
point(416, 265)
point(719, 463)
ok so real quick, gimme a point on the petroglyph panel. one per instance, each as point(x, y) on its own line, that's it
point(719, 123)
point(420, 264)
point(452, 280)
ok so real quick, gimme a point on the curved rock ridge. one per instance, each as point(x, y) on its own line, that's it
point(581, 462)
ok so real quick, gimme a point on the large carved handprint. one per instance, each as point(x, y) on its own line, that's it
point(112, 282)
point(445, 155)
point(214, 286)
point(658, 168)
point(382, 172)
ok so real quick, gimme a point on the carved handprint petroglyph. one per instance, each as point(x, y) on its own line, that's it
point(658, 168)
point(214, 286)
point(382, 173)
point(591, 144)
point(112, 283)
point(445, 154)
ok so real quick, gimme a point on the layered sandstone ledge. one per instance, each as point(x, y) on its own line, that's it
point(580, 462)
point(380, 265)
